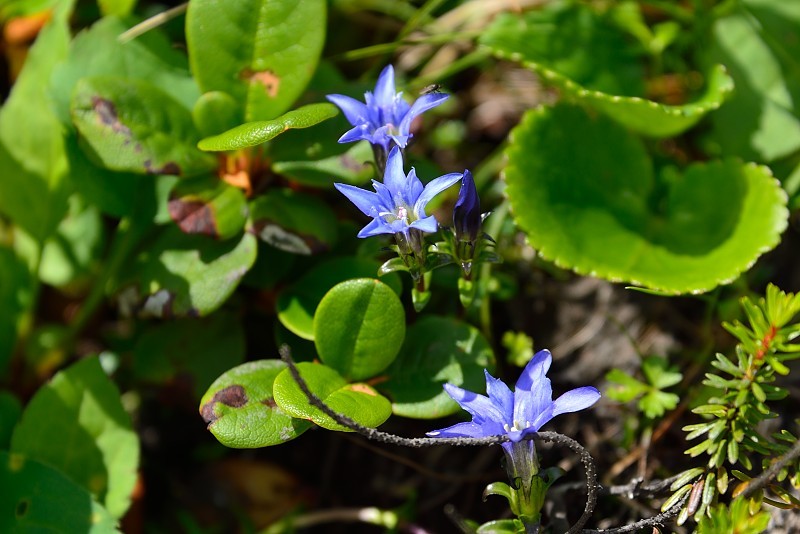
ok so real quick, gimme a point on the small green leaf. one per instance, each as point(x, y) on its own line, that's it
point(215, 112)
point(437, 350)
point(203, 348)
point(209, 206)
point(359, 327)
point(132, 126)
point(654, 403)
point(182, 275)
point(294, 222)
point(119, 8)
point(261, 52)
point(600, 210)
point(353, 167)
point(658, 373)
point(359, 402)
point(241, 411)
point(40, 498)
point(626, 389)
point(77, 424)
point(255, 133)
point(298, 303)
point(502, 526)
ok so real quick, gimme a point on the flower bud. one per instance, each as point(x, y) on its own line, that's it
point(467, 212)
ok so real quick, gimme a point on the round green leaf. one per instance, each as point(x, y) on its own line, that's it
point(588, 73)
point(77, 424)
point(297, 303)
point(261, 52)
point(359, 402)
point(40, 498)
point(209, 206)
point(255, 133)
point(131, 125)
point(294, 222)
point(584, 190)
point(437, 350)
point(215, 112)
point(184, 275)
point(358, 327)
point(241, 412)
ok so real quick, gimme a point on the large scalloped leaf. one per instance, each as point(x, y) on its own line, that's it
point(261, 52)
point(254, 133)
point(240, 409)
point(359, 402)
point(584, 190)
point(510, 37)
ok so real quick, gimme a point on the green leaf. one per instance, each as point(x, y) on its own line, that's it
point(437, 350)
point(132, 126)
point(359, 327)
point(214, 112)
point(359, 402)
point(562, 63)
point(261, 52)
point(10, 412)
point(294, 222)
point(502, 526)
point(98, 52)
point(204, 348)
point(16, 295)
point(116, 7)
point(39, 498)
point(255, 133)
point(209, 206)
point(181, 275)
point(758, 43)
point(654, 403)
point(23, 8)
point(353, 167)
point(600, 210)
point(34, 189)
point(298, 303)
point(658, 373)
point(626, 389)
point(77, 424)
point(240, 409)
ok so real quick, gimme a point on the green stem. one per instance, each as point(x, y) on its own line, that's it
point(385, 48)
point(493, 227)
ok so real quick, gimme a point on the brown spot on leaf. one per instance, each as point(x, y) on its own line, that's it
point(288, 240)
point(233, 396)
point(267, 78)
point(270, 403)
point(193, 217)
point(362, 388)
point(107, 115)
point(170, 167)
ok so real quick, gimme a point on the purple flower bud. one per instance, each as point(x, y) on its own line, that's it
point(467, 212)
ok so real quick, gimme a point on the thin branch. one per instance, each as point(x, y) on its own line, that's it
point(656, 521)
point(772, 471)
point(153, 22)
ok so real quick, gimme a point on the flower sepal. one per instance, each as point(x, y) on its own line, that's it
point(392, 266)
point(503, 490)
point(421, 292)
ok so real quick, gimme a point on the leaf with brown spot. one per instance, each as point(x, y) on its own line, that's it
point(294, 222)
point(209, 206)
point(240, 409)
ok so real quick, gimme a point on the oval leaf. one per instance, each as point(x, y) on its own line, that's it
point(353, 167)
point(294, 222)
point(241, 412)
point(582, 188)
point(215, 112)
point(520, 39)
point(358, 327)
point(255, 133)
point(131, 125)
point(77, 424)
point(181, 275)
point(359, 402)
point(261, 52)
point(39, 498)
point(209, 206)
point(298, 303)
point(437, 350)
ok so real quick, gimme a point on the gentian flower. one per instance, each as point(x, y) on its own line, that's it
point(386, 117)
point(516, 414)
point(467, 211)
point(398, 204)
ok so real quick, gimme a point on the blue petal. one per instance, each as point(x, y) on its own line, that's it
point(358, 133)
point(480, 407)
point(434, 187)
point(367, 201)
point(355, 112)
point(576, 399)
point(460, 430)
point(428, 224)
point(376, 226)
point(423, 103)
point(467, 211)
point(533, 395)
point(394, 178)
point(386, 200)
point(414, 187)
point(384, 88)
point(500, 395)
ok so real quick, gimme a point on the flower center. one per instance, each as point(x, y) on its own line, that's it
point(400, 213)
point(519, 426)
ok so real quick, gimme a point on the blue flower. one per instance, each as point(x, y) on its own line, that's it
point(386, 117)
point(467, 211)
point(398, 204)
point(516, 414)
